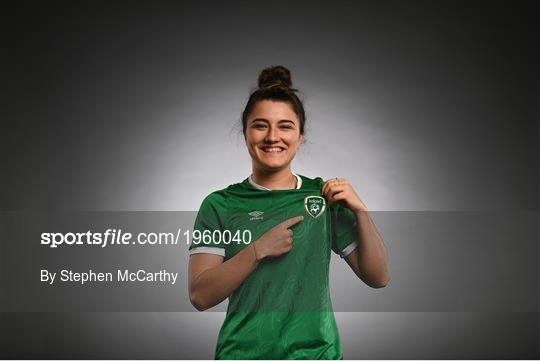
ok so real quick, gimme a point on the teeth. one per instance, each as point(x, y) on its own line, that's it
point(272, 150)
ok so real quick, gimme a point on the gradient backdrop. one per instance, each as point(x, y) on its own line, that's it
point(424, 106)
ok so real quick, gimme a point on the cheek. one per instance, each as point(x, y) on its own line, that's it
point(294, 141)
point(253, 137)
point(251, 145)
point(249, 140)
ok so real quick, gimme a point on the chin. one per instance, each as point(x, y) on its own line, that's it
point(273, 166)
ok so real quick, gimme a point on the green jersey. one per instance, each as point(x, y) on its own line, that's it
point(282, 310)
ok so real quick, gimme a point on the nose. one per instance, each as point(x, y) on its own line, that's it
point(271, 135)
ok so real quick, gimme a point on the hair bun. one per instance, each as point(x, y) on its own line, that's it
point(275, 74)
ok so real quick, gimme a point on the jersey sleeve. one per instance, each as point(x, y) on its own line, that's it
point(344, 230)
point(211, 217)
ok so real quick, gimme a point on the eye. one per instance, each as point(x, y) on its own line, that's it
point(259, 125)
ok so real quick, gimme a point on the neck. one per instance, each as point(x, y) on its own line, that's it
point(281, 179)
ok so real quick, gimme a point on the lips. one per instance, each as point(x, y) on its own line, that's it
point(273, 149)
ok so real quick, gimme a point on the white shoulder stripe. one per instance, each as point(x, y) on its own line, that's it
point(347, 250)
point(211, 250)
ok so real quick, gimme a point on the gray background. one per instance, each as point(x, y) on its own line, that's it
point(423, 106)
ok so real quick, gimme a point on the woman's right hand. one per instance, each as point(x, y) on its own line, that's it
point(277, 240)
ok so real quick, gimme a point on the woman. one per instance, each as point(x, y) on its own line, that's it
point(265, 242)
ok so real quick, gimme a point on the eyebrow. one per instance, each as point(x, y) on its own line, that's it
point(279, 121)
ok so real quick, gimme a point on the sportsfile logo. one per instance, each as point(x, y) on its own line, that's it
point(255, 215)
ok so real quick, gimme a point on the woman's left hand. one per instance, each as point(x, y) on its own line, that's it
point(340, 190)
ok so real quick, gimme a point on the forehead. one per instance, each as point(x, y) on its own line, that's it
point(273, 111)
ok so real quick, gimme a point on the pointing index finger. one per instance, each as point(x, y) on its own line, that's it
point(292, 221)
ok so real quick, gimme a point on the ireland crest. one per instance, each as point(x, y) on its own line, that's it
point(315, 205)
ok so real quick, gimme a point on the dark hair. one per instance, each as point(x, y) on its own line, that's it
point(275, 84)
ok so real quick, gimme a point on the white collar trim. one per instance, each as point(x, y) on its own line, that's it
point(258, 186)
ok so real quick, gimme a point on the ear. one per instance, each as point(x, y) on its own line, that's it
point(302, 139)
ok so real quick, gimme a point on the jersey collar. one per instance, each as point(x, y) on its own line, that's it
point(258, 186)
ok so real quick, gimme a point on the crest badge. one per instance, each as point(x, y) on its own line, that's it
point(314, 205)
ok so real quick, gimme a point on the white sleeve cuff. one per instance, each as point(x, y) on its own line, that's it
point(347, 250)
point(211, 250)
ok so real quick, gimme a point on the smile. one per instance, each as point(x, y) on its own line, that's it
point(272, 149)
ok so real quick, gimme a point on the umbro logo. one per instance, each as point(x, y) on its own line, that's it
point(255, 215)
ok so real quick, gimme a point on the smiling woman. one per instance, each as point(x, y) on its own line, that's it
point(272, 140)
point(273, 124)
point(277, 282)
